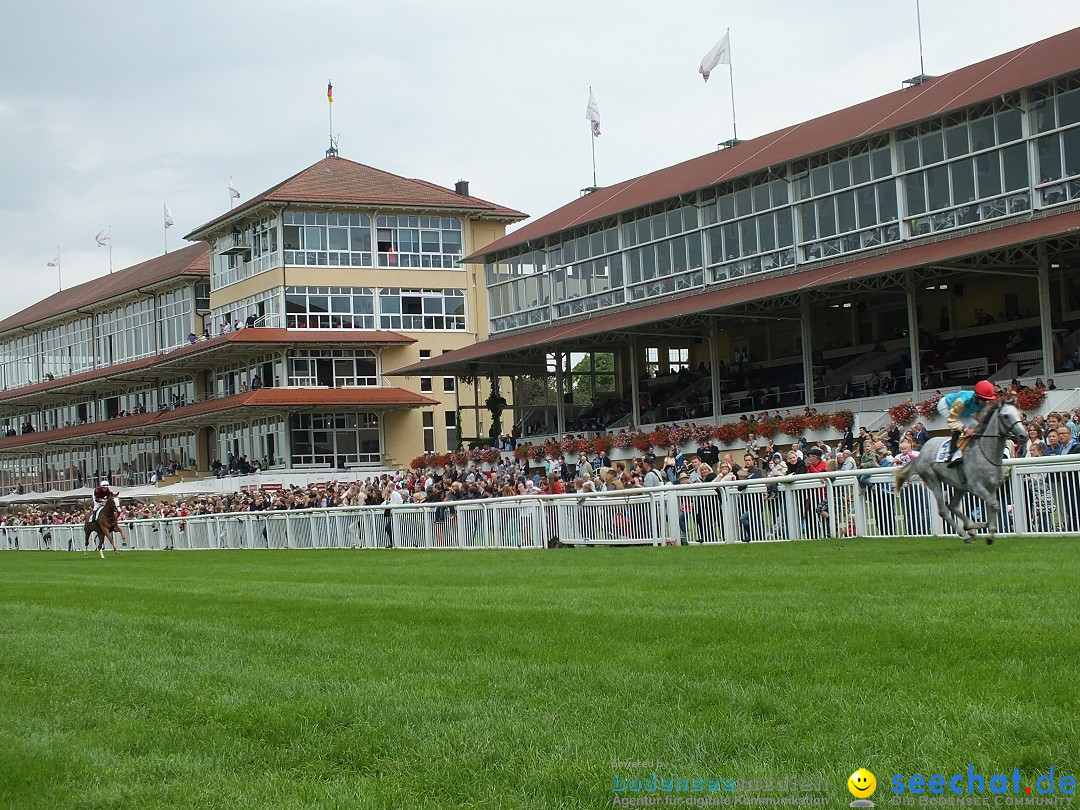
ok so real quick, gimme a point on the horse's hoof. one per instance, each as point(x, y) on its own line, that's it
point(969, 539)
point(989, 540)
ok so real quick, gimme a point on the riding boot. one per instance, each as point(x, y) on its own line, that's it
point(955, 458)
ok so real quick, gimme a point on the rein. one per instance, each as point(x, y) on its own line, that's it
point(985, 435)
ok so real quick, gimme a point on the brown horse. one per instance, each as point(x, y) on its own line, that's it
point(107, 522)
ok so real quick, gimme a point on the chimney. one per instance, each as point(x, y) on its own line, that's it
point(462, 187)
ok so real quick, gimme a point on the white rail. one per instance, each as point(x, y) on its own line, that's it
point(1039, 496)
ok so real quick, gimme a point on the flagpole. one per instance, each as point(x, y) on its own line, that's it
point(918, 18)
point(592, 139)
point(164, 227)
point(59, 278)
point(330, 113)
point(110, 255)
point(731, 81)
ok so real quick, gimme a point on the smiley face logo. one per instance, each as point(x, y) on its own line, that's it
point(862, 783)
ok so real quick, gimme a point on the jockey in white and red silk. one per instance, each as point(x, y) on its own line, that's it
point(102, 493)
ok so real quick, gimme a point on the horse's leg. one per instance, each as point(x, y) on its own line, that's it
point(943, 510)
point(964, 526)
point(112, 541)
point(990, 501)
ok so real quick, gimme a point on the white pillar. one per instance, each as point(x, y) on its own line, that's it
point(635, 387)
point(913, 342)
point(1045, 312)
point(560, 407)
point(714, 364)
point(807, 352)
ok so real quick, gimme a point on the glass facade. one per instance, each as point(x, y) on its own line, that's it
point(413, 241)
point(956, 171)
point(330, 308)
point(422, 310)
point(334, 368)
point(335, 439)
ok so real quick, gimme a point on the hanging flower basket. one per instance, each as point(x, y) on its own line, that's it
point(902, 414)
point(928, 407)
point(842, 420)
point(1030, 399)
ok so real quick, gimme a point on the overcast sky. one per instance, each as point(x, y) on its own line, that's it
point(108, 110)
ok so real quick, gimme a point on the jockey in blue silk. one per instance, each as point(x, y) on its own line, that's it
point(961, 411)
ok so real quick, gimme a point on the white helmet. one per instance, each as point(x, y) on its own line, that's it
point(104, 483)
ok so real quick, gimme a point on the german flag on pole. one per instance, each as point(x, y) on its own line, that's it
point(330, 92)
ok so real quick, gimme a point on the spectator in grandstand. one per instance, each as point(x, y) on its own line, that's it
point(919, 435)
point(708, 453)
point(651, 477)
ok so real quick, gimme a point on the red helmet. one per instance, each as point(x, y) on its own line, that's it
point(985, 390)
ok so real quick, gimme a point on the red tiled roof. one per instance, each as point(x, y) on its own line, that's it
point(269, 398)
point(1024, 67)
point(781, 284)
point(337, 180)
point(193, 260)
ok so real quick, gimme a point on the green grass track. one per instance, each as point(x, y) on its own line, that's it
point(399, 679)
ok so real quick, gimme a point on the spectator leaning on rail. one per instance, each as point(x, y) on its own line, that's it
point(961, 411)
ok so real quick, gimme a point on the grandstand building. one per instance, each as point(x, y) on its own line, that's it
point(267, 341)
point(914, 242)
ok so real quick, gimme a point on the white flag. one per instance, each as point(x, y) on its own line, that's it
point(55, 262)
point(168, 217)
point(719, 55)
point(592, 114)
point(104, 238)
point(233, 193)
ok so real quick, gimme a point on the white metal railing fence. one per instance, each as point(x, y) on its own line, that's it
point(1038, 496)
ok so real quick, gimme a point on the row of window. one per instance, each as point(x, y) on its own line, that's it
point(953, 172)
point(133, 330)
point(355, 308)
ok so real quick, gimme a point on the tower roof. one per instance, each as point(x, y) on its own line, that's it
point(337, 180)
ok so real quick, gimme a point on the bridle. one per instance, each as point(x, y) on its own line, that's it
point(987, 435)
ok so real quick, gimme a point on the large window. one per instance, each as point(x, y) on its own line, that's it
point(1057, 119)
point(420, 310)
point(330, 308)
point(333, 368)
point(126, 332)
point(335, 439)
point(241, 254)
point(176, 317)
point(411, 241)
point(67, 348)
point(965, 168)
point(330, 240)
point(847, 200)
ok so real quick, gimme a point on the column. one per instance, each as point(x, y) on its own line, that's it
point(1045, 312)
point(714, 365)
point(807, 350)
point(560, 406)
point(635, 385)
point(913, 342)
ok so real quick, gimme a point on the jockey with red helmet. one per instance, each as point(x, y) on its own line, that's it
point(961, 411)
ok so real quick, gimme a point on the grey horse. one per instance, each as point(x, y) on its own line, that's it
point(980, 474)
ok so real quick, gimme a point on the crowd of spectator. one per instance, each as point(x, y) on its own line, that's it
point(1057, 433)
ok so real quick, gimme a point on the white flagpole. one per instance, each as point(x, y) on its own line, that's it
point(731, 80)
point(592, 139)
point(110, 255)
point(918, 18)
